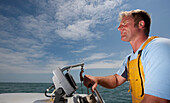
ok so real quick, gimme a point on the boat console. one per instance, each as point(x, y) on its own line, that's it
point(65, 88)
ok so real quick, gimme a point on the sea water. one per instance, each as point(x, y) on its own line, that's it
point(117, 95)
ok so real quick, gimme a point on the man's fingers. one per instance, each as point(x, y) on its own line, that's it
point(94, 87)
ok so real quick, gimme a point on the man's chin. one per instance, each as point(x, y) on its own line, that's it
point(123, 38)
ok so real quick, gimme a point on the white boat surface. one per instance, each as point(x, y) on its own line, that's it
point(32, 98)
point(23, 98)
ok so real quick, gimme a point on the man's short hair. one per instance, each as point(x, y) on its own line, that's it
point(138, 15)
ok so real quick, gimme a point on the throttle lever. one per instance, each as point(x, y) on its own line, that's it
point(97, 94)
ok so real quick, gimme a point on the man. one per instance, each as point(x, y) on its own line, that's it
point(147, 67)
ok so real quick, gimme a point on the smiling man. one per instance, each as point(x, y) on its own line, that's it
point(147, 67)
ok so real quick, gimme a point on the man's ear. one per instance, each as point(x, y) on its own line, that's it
point(141, 24)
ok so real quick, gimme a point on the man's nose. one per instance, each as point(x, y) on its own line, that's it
point(119, 28)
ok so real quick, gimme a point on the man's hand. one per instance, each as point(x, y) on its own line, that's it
point(90, 81)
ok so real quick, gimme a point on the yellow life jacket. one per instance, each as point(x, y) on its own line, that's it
point(136, 75)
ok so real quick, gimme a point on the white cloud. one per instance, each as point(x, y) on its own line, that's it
point(25, 62)
point(104, 64)
point(15, 62)
point(24, 55)
point(41, 27)
point(102, 61)
point(54, 63)
point(79, 30)
point(97, 56)
point(76, 17)
point(71, 20)
point(22, 45)
point(84, 49)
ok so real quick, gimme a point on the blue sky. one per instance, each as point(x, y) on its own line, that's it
point(37, 36)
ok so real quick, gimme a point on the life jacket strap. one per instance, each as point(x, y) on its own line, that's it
point(148, 40)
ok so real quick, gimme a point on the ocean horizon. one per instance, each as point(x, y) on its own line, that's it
point(117, 95)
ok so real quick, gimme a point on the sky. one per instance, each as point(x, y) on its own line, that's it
point(38, 36)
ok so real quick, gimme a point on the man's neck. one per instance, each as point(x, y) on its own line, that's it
point(138, 42)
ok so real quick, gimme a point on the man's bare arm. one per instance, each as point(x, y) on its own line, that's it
point(153, 99)
point(110, 82)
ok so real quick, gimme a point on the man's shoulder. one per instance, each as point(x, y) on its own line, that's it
point(161, 40)
point(157, 47)
point(158, 44)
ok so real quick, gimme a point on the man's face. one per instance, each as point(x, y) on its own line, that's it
point(127, 29)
